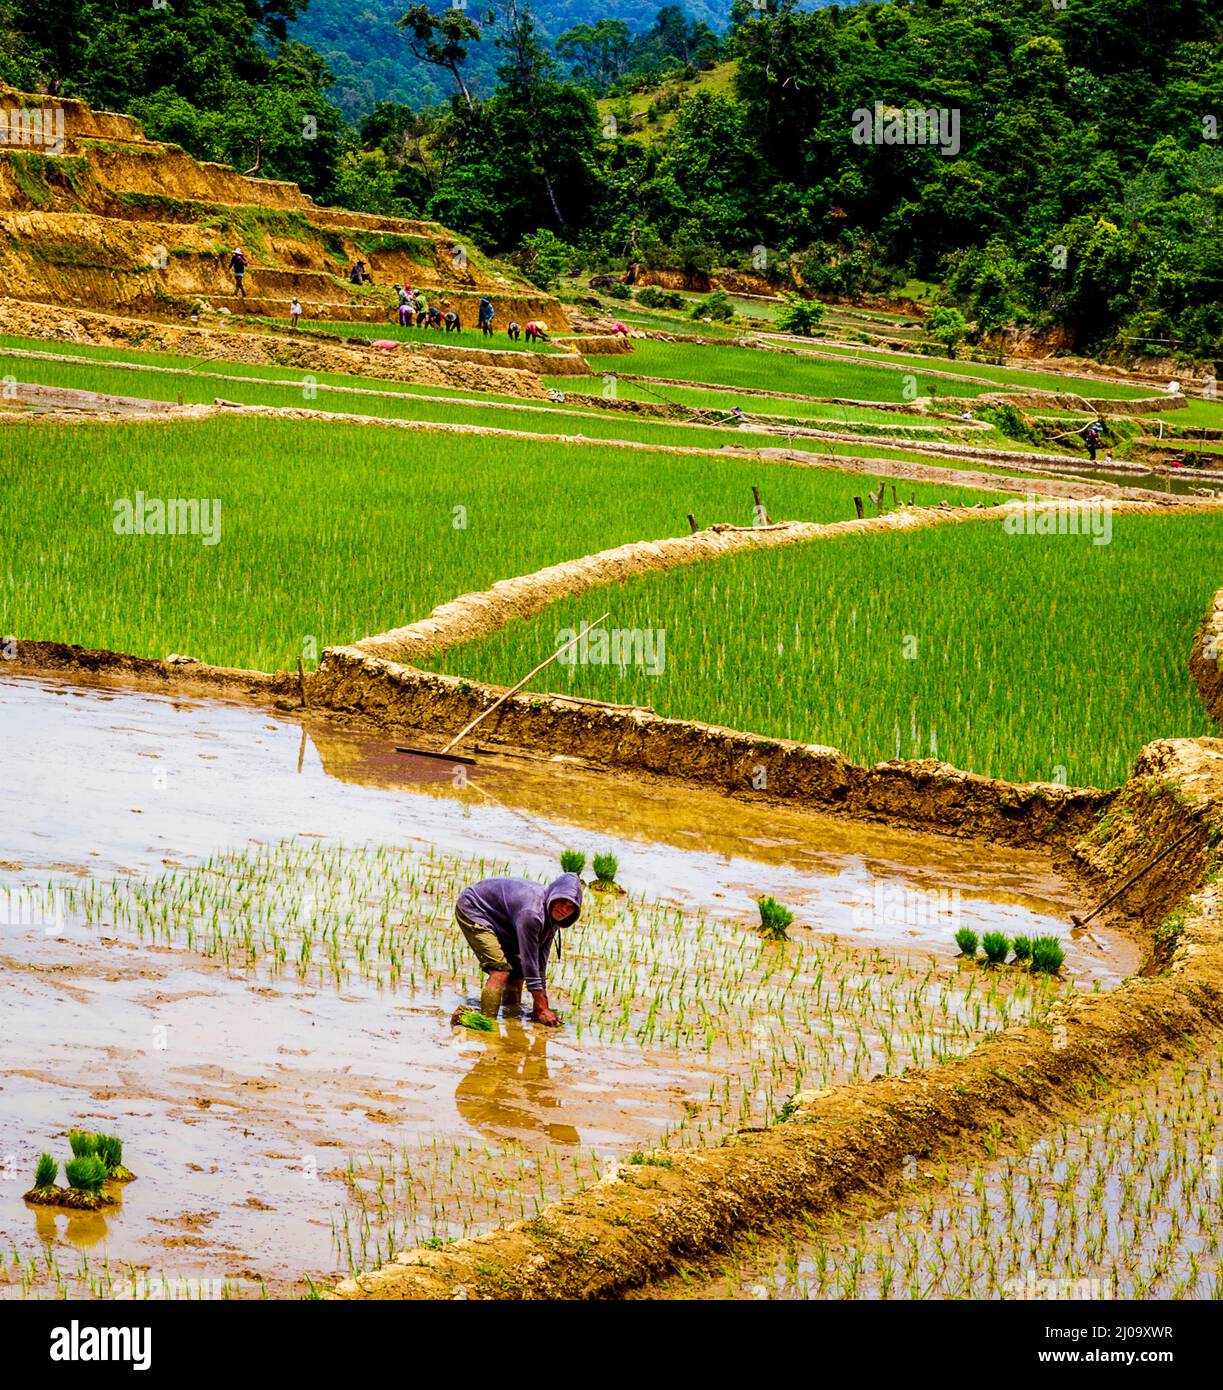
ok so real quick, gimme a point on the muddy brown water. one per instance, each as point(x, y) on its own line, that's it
point(242, 1095)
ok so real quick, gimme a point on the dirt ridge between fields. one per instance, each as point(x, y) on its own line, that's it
point(641, 1220)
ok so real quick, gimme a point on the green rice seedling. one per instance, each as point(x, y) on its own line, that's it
point(85, 1173)
point(82, 1143)
point(1022, 946)
point(996, 946)
point(775, 919)
point(573, 861)
point(966, 940)
point(1047, 955)
point(651, 1160)
point(605, 866)
point(46, 1171)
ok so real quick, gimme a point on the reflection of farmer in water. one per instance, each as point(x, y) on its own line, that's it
point(510, 923)
point(509, 1092)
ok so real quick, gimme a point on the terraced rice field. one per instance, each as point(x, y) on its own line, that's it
point(1028, 657)
point(396, 523)
point(857, 378)
point(277, 891)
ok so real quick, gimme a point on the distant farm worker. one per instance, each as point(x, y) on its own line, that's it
point(1092, 438)
point(536, 331)
point(295, 312)
point(514, 330)
point(452, 322)
point(237, 263)
point(485, 315)
point(435, 316)
point(511, 923)
point(404, 295)
point(359, 275)
point(422, 309)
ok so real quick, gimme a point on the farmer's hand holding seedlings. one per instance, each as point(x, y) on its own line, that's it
point(511, 923)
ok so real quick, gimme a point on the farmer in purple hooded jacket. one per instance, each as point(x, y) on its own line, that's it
point(510, 923)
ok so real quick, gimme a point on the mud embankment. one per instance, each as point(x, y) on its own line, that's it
point(925, 795)
point(176, 675)
point(642, 1219)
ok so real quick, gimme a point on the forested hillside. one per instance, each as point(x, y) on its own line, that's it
point(1073, 177)
point(372, 60)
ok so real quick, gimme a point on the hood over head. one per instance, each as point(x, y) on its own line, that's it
point(567, 888)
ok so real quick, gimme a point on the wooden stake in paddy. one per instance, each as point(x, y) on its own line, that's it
point(448, 753)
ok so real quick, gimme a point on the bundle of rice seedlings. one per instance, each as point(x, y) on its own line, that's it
point(44, 1189)
point(1022, 946)
point(82, 1143)
point(774, 919)
point(573, 861)
point(86, 1173)
point(1047, 955)
point(605, 866)
point(996, 947)
point(966, 940)
point(475, 1020)
point(86, 1176)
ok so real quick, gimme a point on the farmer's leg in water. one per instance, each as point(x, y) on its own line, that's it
point(502, 990)
point(493, 992)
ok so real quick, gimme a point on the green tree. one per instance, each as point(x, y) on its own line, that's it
point(599, 53)
point(442, 39)
point(947, 326)
point(800, 315)
point(544, 258)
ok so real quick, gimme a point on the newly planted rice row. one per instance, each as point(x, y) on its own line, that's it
point(1023, 656)
point(725, 400)
point(1016, 378)
point(396, 523)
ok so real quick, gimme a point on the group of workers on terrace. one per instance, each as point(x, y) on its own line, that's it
point(412, 308)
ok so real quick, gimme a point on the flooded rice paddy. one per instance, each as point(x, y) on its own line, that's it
point(228, 938)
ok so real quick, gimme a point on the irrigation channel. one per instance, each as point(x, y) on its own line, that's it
point(229, 940)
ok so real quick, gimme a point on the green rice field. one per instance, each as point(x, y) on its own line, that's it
point(1022, 656)
point(858, 378)
point(334, 538)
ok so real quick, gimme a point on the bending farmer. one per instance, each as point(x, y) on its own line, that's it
point(510, 923)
